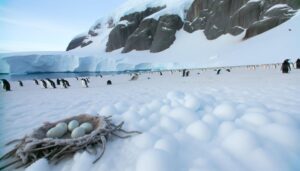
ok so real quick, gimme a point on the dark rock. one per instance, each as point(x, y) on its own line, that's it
point(247, 15)
point(142, 37)
point(236, 30)
point(165, 32)
point(76, 42)
point(262, 26)
point(119, 35)
point(283, 11)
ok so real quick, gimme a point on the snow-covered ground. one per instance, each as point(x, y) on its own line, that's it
point(242, 120)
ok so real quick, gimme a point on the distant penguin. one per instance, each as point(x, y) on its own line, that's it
point(36, 82)
point(298, 63)
point(183, 72)
point(285, 67)
point(64, 83)
point(67, 83)
point(109, 82)
point(77, 78)
point(228, 70)
point(84, 83)
point(58, 81)
point(6, 85)
point(44, 84)
point(219, 71)
point(101, 76)
point(160, 73)
point(187, 74)
point(52, 83)
point(20, 83)
point(135, 77)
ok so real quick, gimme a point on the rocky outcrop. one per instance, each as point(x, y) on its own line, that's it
point(142, 37)
point(79, 41)
point(128, 24)
point(218, 17)
point(165, 32)
point(137, 31)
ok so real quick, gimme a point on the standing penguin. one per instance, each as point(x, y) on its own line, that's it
point(52, 83)
point(285, 67)
point(183, 72)
point(84, 83)
point(20, 83)
point(67, 83)
point(219, 71)
point(64, 83)
point(109, 82)
point(44, 84)
point(58, 81)
point(36, 82)
point(6, 85)
point(298, 63)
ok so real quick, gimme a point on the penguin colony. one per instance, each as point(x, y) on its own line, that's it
point(47, 83)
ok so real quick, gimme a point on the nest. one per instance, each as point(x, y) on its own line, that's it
point(36, 146)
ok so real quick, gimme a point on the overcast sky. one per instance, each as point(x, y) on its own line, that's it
point(47, 25)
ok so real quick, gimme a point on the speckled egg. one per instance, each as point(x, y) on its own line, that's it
point(78, 132)
point(72, 125)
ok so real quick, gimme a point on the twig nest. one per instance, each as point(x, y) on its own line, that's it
point(78, 132)
point(73, 124)
point(56, 132)
point(88, 127)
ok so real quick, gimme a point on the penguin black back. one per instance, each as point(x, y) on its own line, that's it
point(109, 82)
point(44, 83)
point(36, 82)
point(6, 85)
point(20, 83)
point(219, 71)
point(52, 83)
point(285, 67)
point(298, 63)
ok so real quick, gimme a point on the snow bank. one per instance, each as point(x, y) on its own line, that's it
point(233, 121)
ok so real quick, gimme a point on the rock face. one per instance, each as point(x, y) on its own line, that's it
point(128, 24)
point(218, 17)
point(139, 31)
point(165, 32)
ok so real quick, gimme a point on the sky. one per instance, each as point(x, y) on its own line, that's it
point(48, 25)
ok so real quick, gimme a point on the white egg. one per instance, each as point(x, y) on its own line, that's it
point(56, 132)
point(63, 125)
point(78, 132)
point(87, 126)
point(72, 125)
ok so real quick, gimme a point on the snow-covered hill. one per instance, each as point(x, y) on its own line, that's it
point(189, 44)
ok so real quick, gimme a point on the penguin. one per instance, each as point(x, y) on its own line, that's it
point(101, 76)
point(67, 83)
point(20, 83)
point(228, 70)
point(285, 67)
point(44, 84)
point(187, 74)
point(64, 83)
point(160, 73)
point(84, 83)
point(58, 81)
point(183, 72)
point(52, 83)
point(135, 77)
point(36, 82)
point(77, 78)
point(109, 82)
point(219, 71)
point(6, 85)
point(298, 63)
